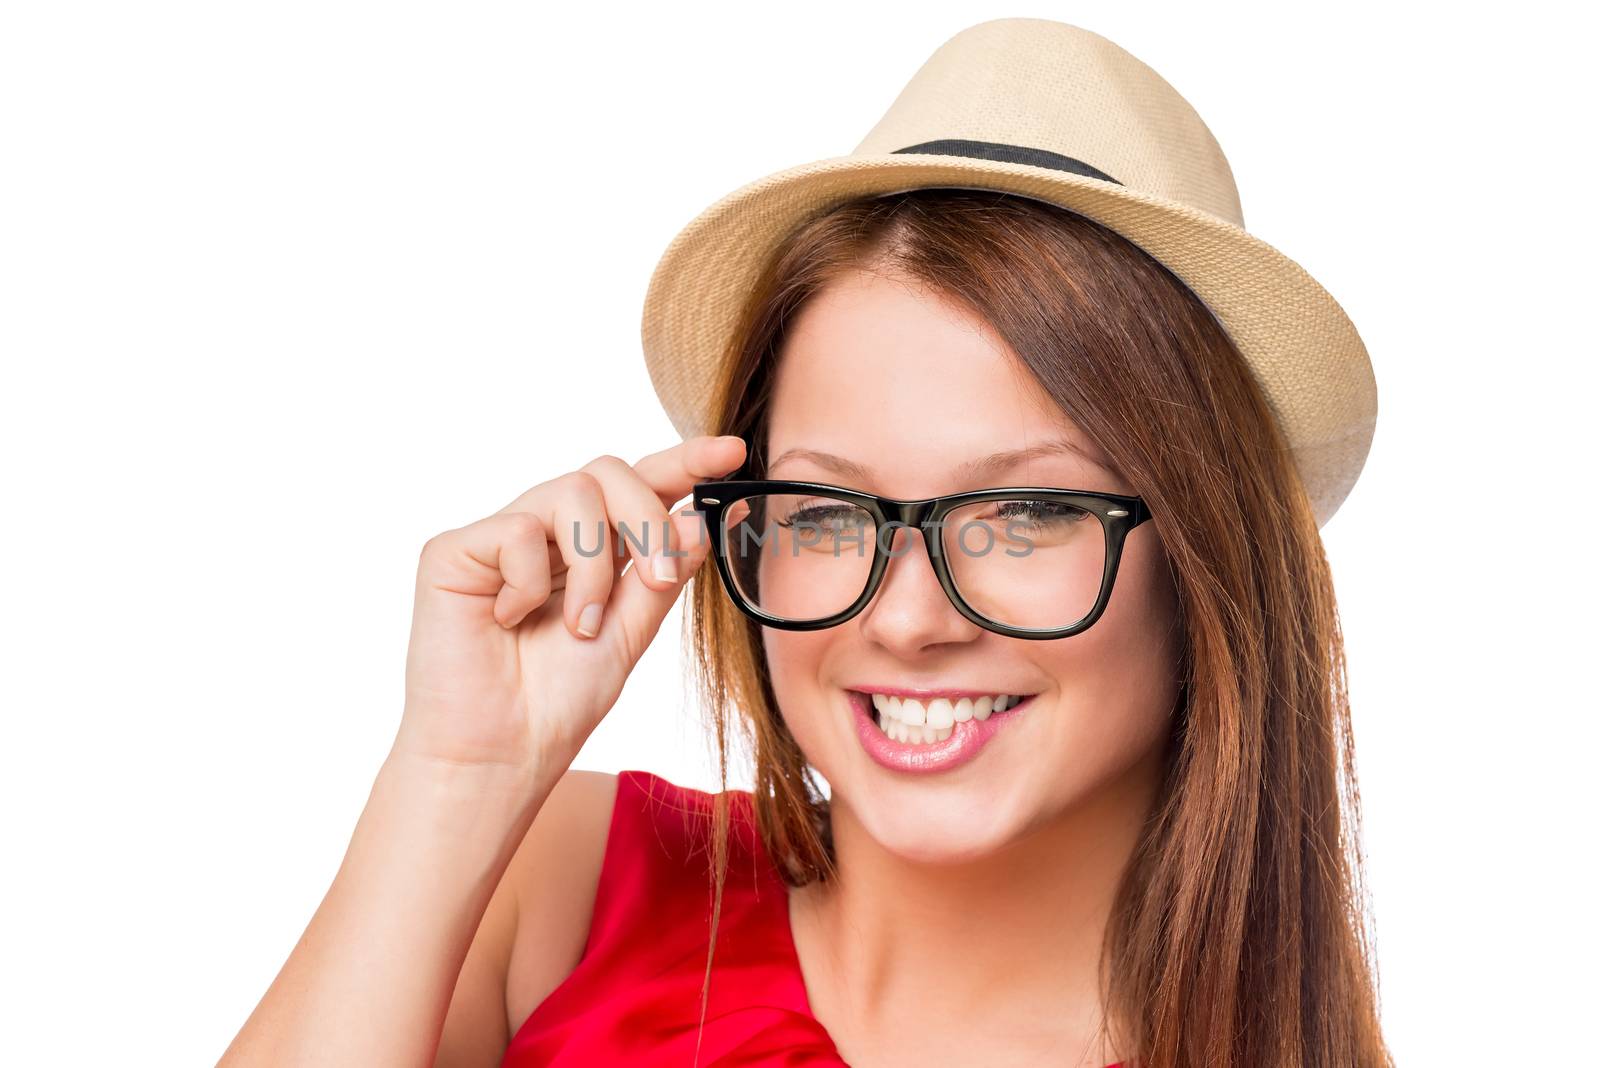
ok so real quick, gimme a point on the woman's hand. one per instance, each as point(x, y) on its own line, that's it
point(520, 643)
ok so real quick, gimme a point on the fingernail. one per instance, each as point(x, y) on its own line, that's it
point(589, 620)
point(666, 569)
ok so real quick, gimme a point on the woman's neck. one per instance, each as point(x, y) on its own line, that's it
point(1008, 944)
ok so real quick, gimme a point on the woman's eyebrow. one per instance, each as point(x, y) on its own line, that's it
point(982, 468)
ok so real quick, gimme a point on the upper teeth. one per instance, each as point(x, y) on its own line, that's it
point(937, 717)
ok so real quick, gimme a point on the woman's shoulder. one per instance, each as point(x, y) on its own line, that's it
point(608, 850)
point(635, 994)
point(651, 785)
point(661, 837)
point(642, 932)
point(555, 873)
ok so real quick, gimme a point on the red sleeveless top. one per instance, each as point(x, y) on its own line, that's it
point(634, 997)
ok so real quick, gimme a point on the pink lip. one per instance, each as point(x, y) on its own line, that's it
point(965, 741)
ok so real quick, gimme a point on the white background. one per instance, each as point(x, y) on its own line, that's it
point(286, 289)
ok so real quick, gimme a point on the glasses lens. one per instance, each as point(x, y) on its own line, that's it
point(1026, 563)
point(798, 556)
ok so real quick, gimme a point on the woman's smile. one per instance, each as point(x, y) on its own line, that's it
point(933, 734)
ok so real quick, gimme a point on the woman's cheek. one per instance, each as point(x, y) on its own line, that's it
point(1118, 683)
point(794, 661)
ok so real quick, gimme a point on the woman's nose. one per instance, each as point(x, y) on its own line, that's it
point(910, 609)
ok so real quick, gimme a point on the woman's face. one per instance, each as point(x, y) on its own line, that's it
point(908, 387)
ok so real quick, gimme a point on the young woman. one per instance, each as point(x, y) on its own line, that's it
point(1016, 554)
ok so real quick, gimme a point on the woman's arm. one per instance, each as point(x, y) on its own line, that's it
point(504, 683)
point(371, 979)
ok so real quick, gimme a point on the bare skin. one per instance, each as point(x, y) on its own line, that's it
point(977, 896)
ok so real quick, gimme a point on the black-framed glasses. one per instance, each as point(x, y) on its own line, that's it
point(1023, 561)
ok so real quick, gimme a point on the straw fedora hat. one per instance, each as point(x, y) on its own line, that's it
point(1053, 112)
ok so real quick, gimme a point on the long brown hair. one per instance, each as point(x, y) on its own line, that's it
point(1241, 933)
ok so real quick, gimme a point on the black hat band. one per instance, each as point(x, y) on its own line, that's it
point(1004, 153)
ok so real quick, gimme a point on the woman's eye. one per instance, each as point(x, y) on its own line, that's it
point(1040, 512)
point(834, 516)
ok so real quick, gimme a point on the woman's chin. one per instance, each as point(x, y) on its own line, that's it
point(934, 842)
